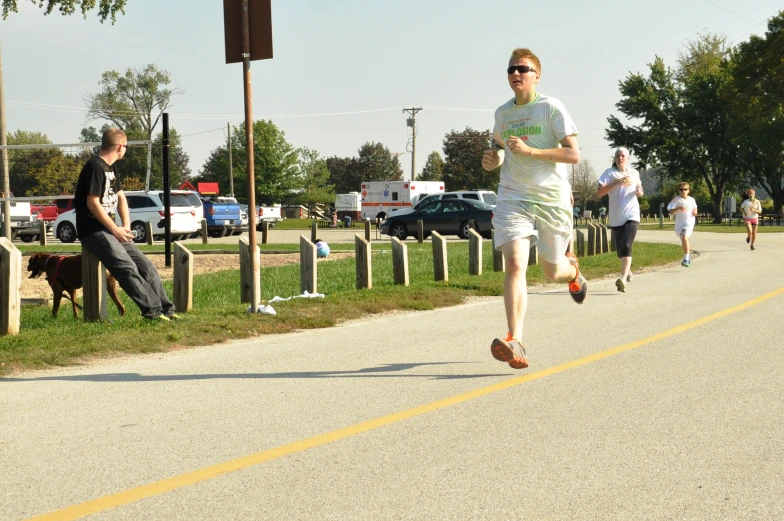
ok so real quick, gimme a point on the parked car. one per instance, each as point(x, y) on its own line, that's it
point(143, 207)
point(447, 217)
point(485, 196)
point(198, 207)
point(22, 218)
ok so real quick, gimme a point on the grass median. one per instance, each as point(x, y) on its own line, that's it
point(218, 315)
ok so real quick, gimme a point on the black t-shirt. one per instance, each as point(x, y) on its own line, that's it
point(96, 178)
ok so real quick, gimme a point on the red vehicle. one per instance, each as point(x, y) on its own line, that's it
point(48, 212)
point(63, 205)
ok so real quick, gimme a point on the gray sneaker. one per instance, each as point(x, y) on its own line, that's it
point(629, 277)
point(620, 285)
point(510, 351)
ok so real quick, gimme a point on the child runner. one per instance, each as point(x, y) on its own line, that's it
point(622, 183)
point(535, 138)
point(685, 209)
point(751, 209)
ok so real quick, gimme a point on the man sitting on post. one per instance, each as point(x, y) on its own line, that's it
point(98, 198)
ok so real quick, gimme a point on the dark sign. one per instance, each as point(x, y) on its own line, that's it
point(260, 22)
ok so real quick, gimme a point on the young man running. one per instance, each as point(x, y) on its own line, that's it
point(535, 139)
point(685, 209)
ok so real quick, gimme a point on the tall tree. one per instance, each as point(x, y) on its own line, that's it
point(106, 8)
point(463, 160)
point(276, 164)
point(584, 184)
point(25, 164)
point(132, 101)
point(343, 174)
point(756, 93)
point(685, 121)
point(434, 168)
point(315, 179)
point(374, 163)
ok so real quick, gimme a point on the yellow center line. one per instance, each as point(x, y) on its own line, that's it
point(190, 478)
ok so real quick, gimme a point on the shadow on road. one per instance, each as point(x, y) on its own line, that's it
point(370, 372)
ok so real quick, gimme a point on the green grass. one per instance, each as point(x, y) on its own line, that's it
point(218, 315)
point(713, 228)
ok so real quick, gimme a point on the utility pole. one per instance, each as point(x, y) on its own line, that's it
point(411, 122)
point(231, 170)
point(6, 188)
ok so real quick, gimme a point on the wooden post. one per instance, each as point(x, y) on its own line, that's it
point(533, 256)
point(367, 230)
point(420, 231)
point(307, 266)
point(474, 252)
point(611, 238)
point(183, 278)
point(148, 232)
point(498, 256)
point(42, 233)
point(246, 271)
point(10, 288)
point(580, 240)
point(591, 239)
point(440, 267)
point(204, 231)
point(400, 262)
point(471, 224)
point(93, 288)
point(604, 247)
point(313, 231)
point(264, 231)
point(363, 257)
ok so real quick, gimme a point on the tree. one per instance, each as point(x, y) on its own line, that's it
point(756, 93)
point(685, 121)
point(315, 179)
point(374, 163)
point(434, 168)
point(584, 184)
point(463, 160)
point(343, 174)
point(179, 161)
point(276, 164)
point(133, 101)
point(24, 165)
point(106, 8)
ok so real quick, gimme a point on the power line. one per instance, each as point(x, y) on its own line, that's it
point(732, 12)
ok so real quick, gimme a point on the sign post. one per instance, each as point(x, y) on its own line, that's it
point(248, 35)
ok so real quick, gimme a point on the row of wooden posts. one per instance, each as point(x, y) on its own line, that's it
point(94, 299)
point(42, 238)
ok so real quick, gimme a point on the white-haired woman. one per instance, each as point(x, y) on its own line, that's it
point(622, 183)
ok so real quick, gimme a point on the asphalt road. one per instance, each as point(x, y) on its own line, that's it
point(661, 403)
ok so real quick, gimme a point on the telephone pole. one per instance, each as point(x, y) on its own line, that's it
point(231, 170)
point(411, 122)
point(6, 187)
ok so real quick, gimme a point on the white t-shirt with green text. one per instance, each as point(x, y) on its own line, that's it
point(542, 124)
point(685, 218)
point(754, 209)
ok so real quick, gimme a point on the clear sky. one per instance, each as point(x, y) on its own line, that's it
point(363, 60)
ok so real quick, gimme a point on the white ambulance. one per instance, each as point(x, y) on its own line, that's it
point(382, 198)
point(349, 204)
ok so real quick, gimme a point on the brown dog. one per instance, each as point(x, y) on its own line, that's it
point(65, 274)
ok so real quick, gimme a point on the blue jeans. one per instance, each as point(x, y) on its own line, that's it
point(133, 270)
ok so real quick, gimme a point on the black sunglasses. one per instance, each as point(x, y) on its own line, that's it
point(683, 189)
point(522, 69)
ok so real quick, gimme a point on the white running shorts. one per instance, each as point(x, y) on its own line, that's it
point(548, 227)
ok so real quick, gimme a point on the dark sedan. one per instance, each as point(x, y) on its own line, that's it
point(447, 217)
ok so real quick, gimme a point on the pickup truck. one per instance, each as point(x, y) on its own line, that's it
point(24, 222)
point(49, 212)
point(270, 214)
point(223, 216)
